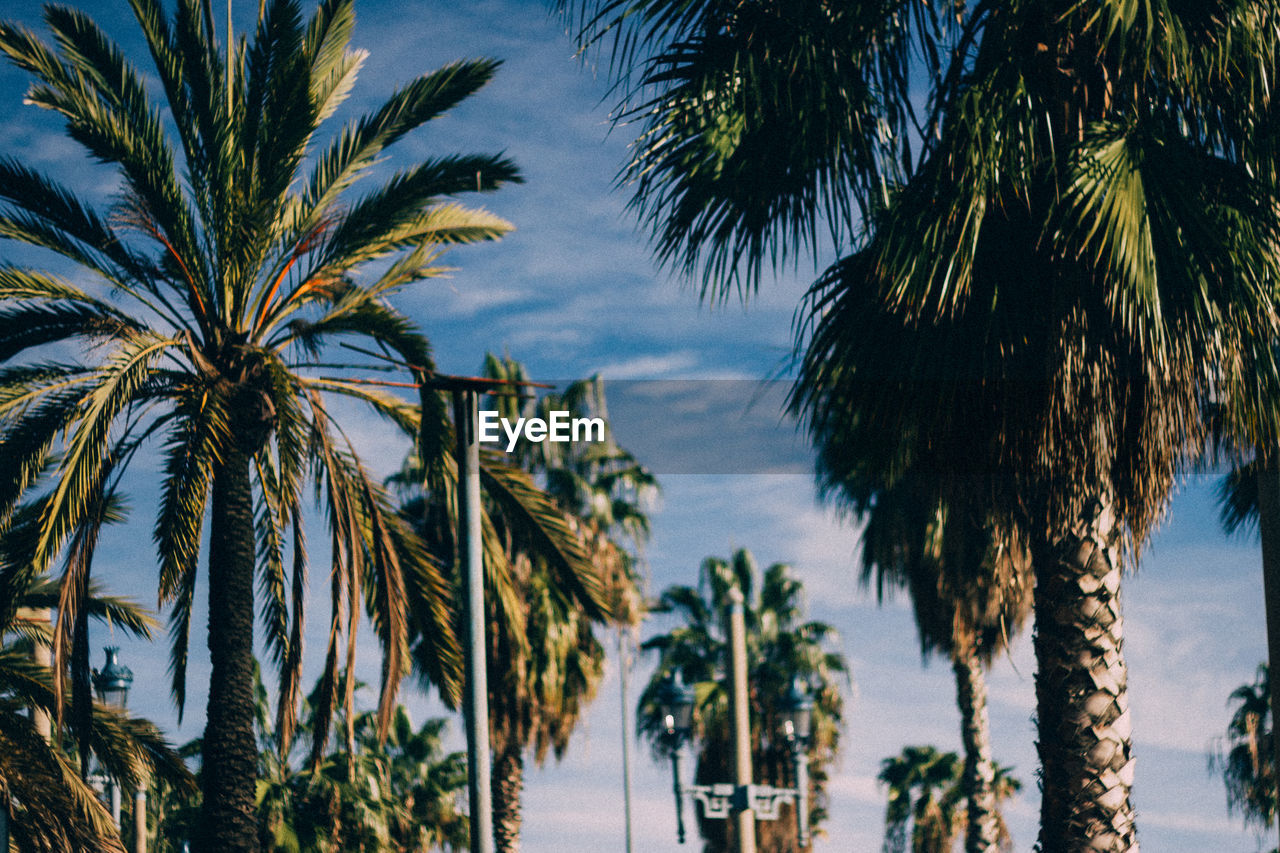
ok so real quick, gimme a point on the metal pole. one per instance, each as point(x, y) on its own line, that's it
point(476, 694)
point(623, 666)
point(802, 796)
point(744, 816)
point(675, 786)
point(114, 787)
point(140, 820)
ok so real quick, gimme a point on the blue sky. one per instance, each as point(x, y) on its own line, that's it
point(573, 292)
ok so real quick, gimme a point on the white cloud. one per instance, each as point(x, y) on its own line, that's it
point(648, 366)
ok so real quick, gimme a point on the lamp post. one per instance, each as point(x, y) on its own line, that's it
point(475, 698)
point(797, 728)
point(112, 683)
point(723, 799)
point(675, 701)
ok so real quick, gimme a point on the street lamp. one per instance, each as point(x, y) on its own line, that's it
point(675, 705)
point(112, 683)
point(797, 728)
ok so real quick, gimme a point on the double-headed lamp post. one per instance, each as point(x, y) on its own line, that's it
point(720, 800)
point(112, 684)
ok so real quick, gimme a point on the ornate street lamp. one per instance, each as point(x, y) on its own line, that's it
point(797, 728)
point(675, 703)
point(720, 800)
point(112, 684)
point(113, 681)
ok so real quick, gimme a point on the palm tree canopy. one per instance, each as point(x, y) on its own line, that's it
point(235, 253)
point(970, 582)
point(1108, 169)
point(1246, 756)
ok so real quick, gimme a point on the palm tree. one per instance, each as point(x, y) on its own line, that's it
point(1246, 757)
point(971, 591)
point(605, 491)
point(46, 799)
point(1062, 253)
point(781, 646)
point(1249, 497)
point(923, 794)
point(228, 262)
point(926, 794)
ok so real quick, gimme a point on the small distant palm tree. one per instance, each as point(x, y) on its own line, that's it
point(926, 809)
point(1246, 756)
point(232, 256)
point(781, 646)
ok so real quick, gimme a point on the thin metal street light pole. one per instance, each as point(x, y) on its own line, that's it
point(624, 663)
point(476, 694)
point(743, 815)
point(465, 391)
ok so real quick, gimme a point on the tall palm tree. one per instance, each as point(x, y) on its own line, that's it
point(1249, 497)
point(1246, 757)
point(606, 492)
point(1061, 254)
point(926, 795)
point(229, 262)
point(970, 586)
point(781, 646)
point(552, 577)
point(600, 487)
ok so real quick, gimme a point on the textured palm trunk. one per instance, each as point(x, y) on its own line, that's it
point(983, 832)
point(230, 756)
point(1082, 703)
point(1269, 532)
point(508, 785)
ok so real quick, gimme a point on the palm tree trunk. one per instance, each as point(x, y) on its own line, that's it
point(230, 755)
point(508, 784)
point(978, 782)
point(1269, 533)
point(1082, 703)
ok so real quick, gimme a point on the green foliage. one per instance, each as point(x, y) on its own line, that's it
point(1246, 755)
point(43, 786)
point(398, 795)
point(233, 256)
